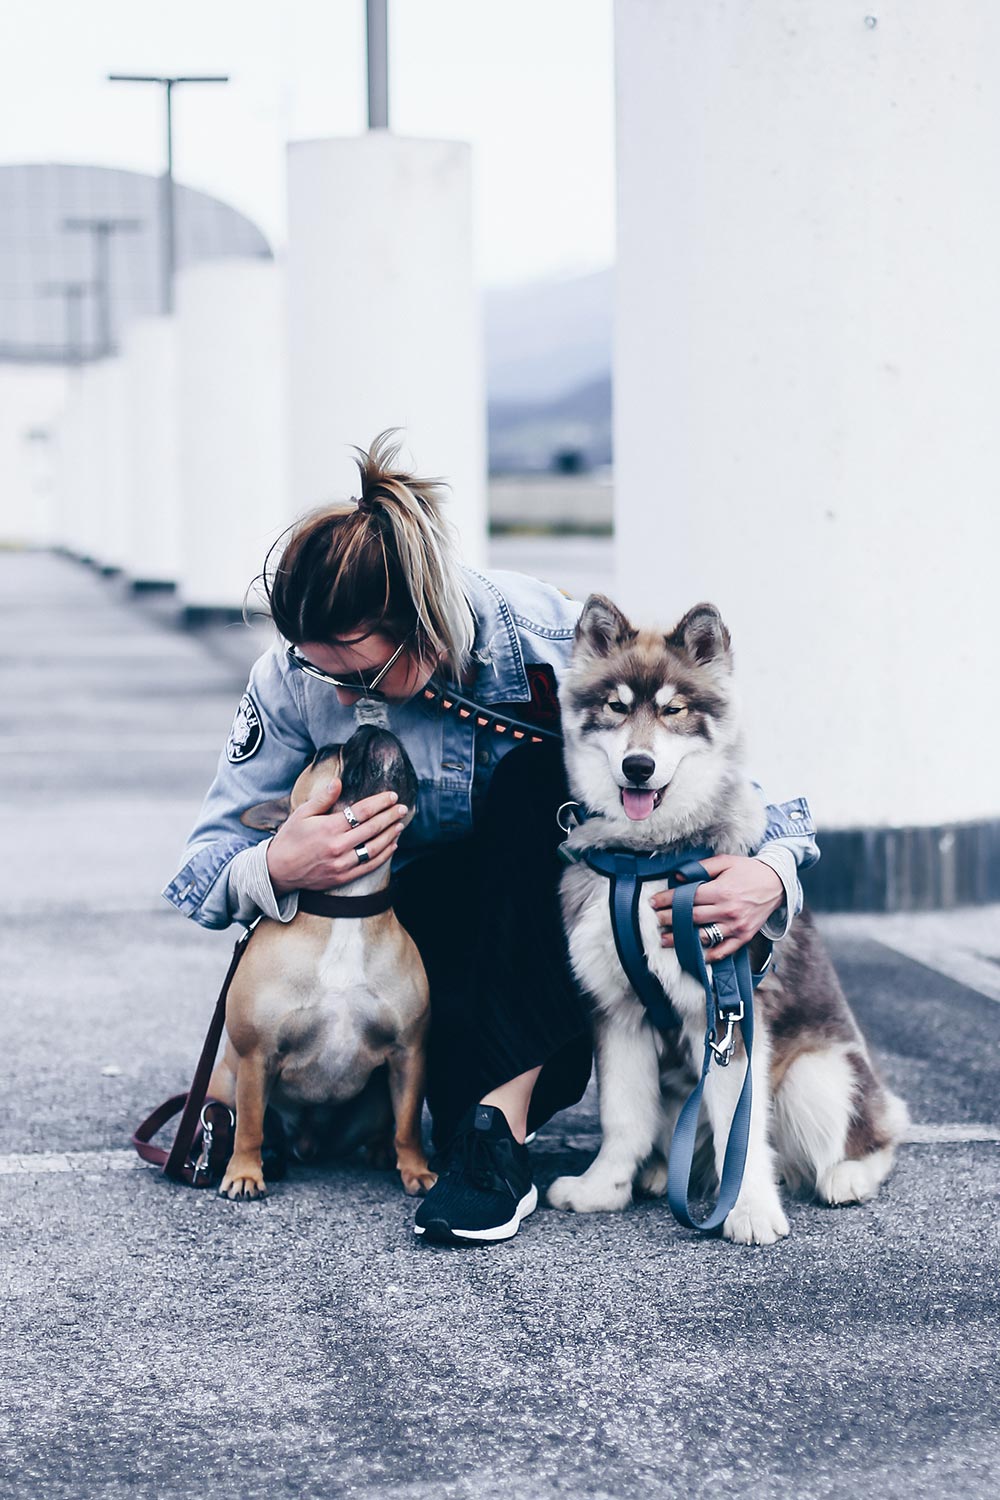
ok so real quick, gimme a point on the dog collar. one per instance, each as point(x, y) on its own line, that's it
point(320, 904)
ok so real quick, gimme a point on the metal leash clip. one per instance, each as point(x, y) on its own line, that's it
point(724, 1050)
point(202, 1165)
point(568, 817)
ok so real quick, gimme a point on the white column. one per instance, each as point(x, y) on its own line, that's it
point(31, 399)
point(152, 542)
point(807, 361)
point(111, 463)
point(385, 325)
point(231, 427)
point(66, 526)
point(80, 489)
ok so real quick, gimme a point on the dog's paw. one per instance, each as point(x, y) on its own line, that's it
point(244, 1178)
point(652, 1178)
point(853, 1181)
point(381, 1155)
point(305, 1148)
point(417, 1180)
point(589, 1195)
point(756, 1224)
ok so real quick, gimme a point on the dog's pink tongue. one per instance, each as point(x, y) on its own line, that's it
point(638, 802)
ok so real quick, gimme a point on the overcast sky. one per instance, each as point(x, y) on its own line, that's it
point(528, 82)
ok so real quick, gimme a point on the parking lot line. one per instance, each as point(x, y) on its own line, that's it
point(33, 1163)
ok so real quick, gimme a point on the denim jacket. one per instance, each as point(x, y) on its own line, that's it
point(285, 716)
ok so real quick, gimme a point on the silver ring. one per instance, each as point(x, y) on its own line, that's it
point(363, 856)
point(712, 935)
point(352, 821)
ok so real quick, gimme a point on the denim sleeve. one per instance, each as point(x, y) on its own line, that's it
point(791, 825)
point(259, 764)
point(790, 831)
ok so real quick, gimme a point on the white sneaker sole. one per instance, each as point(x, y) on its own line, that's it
point(507, 1231)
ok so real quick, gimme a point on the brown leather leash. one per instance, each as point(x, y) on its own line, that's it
point(204, 1140)
point(198, 1117)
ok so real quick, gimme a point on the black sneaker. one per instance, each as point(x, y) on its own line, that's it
point(484, 1189)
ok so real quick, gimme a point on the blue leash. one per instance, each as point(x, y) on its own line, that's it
point(728, 996)
point(728, 1003)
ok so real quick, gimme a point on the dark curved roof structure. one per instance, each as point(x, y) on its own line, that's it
point(42, 318)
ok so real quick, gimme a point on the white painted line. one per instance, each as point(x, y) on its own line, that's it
point(31, 1163)
point(35, 1163)
point(917, 1135)
point(964, 968)
point(926, 1135)
point(567, 1143)
point(960, 944)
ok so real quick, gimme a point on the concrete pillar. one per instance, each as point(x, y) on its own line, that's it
point(31, 399)
point(385, 323)
point(152, 546)
point(66, 528)
point(80, 494)
point(807, 355)
point(230, 382)
point(111, 476)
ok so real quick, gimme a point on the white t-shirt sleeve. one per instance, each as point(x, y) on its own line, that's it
point(251, 892)
point(782, 861)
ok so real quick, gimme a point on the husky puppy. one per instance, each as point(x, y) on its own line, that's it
point(654, 752)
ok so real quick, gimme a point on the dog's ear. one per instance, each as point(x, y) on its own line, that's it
point(701, 635)
point(602, 626)
point(268, 815)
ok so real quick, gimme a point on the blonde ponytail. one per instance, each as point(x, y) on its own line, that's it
point(388, 562)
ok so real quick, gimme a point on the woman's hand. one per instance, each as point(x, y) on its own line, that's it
point(315, 849)
point(740, 896)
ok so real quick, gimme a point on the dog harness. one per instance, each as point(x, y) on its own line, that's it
point(728, 1002)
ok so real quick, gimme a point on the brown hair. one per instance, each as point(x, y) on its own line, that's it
point(387, 560)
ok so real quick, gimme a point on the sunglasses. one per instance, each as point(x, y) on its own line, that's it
point(365, 681)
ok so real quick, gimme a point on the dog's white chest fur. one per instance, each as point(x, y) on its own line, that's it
point(346, 1016)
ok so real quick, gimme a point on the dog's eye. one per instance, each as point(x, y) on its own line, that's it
point(675, 708)
point(616, 707)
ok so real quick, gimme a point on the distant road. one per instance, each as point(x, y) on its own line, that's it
point(558, 502)
point(580, 565)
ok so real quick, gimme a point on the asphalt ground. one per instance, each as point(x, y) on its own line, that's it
point(162, 1342)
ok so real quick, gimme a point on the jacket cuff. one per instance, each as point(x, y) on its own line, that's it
point(251, 892)
point(782, 862)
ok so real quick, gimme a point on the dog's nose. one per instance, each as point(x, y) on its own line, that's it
point(638, 767)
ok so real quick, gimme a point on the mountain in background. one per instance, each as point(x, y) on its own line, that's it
point(548, 370)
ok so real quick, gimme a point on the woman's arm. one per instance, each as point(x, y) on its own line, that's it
point(789, 845)
point(232, 872)
point(755, 893)
point(268, 746)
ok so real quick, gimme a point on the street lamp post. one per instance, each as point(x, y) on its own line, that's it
point(168, 238)
point(102, 230)
point(378, 65)
point(72, 293)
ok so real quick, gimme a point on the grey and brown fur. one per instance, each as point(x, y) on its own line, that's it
point(326, 1017)
point(822, 1119)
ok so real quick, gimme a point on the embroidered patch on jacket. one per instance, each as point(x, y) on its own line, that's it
point(247, 733)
